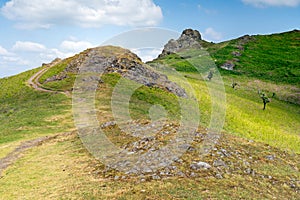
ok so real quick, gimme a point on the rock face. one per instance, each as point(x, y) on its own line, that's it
point(189, 39)
point(110, 59)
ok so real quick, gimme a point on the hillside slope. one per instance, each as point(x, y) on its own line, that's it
point(268, 57)
point(256, 157)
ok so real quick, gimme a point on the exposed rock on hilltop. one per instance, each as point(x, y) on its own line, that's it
point(189, 39)
point(110, 59)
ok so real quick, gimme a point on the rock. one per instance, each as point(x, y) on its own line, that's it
point(250, 171)
point(155, 177)
point(236, 53)
point(193, 175)
point(110, 59)
point(229, 65)
point(225, 153)
point(108, 124)
point(219, 163)
point(219, 176)
point(200, 165)
point(180, 174)
point(270, 157)
point(188, 39)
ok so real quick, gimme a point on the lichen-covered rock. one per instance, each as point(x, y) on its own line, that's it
point(188, 39)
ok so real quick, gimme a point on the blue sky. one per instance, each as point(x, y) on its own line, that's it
point(35, 31)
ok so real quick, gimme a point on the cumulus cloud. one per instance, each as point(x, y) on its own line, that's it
point(39, 53)
point(28, 47)
point(147, 54)
point(264, 3)
point(15, 59)
point(89, 13)
point(211, 34)
point(75, 46)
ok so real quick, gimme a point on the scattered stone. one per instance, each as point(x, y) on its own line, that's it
point(219, 176)
point(236, 53)
point(181, 174)
point(245, 163)
point(225, 153)
point(219, 163)
point(193, 175)
point(271, 157)
point(155, 177)
point(108, 124)
point(229, 65)
point(200, 165)
point(143, 180)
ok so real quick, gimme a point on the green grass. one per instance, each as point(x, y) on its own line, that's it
point(267, 57)
point(278, 125)
point(141, 100)
point(59, 85)
point(25, 113)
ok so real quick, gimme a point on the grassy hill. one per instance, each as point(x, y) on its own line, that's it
point(257, 156)
point(268, 57)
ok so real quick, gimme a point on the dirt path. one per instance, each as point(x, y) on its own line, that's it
point(17, 152)
point(33, 82)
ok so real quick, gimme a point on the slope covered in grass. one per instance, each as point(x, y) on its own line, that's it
point(268, 57)
point(259, 149)
point(26, 113)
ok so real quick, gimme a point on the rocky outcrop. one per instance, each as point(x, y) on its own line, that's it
point(110, 59)
point(189, 39)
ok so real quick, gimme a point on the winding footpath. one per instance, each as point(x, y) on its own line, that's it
point(17, 152)
point(34, 83)
point(13, 156)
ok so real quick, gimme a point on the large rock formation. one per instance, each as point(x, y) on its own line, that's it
point(189, 39)
point(110, 59)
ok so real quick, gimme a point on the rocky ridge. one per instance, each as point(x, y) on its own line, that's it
point(110, 59)
point(189, 39)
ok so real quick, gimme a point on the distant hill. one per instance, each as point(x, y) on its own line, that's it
point(268, 57)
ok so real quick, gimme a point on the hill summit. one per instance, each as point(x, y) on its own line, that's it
point(189, 39)
point(111, 59)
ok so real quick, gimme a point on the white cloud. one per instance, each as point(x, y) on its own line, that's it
point(147, 54)
point(264, 3)
point(89, 13)
point(3, 51)
point(15, 60)
point(75, 46)
point(211, 34)
point(28, 46)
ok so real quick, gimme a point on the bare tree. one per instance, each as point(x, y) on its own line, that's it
point(265, 99)
point(210, 75)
